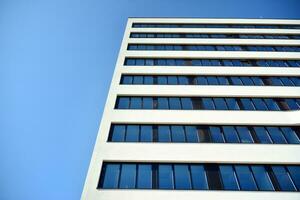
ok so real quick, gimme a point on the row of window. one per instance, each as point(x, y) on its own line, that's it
point(175, 176)
point(207, 103)
point(209, 80)
point(211, 35)
point(212, 48)
point(204, 134)
point(210, 62)
point(156, 25)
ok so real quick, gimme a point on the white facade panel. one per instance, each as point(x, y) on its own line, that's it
point(197, 152)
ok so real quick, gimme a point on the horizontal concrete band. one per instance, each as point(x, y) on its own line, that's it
point(190, 195)
point(200, 153)
point(276, 118)
point(215, 41)
point(214, 54)
point(217, 30)
point(208, 91)
point(213, 21)
point(210, 70)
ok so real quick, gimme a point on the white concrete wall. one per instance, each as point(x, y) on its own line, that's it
point(218, 153)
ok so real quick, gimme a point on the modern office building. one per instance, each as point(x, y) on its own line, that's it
point(201, 109)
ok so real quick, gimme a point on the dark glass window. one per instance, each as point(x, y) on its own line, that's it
point(127, 80)
point(187, 103)
point(177, 134)
point(220, 104)
point(165, 176)
point(294, 172)
point(262, 135)
point(245, 178)
point(146, 133)
point(123, 103)
point(230, 134)
point(144, 176)
point(163, 103)
point(247, 104)
point(244, 134)
point(259, 104)
point(128, 176)
point(290, 135)
point(199, 178)
point(111, 175)
point(228, 177)
point(147, 103)
point(276, 135)
point(232, 104)
point(136, 103)
point(164, 134)
point(132, 133)
point(262, 178)
point(175, 103)
point(284, 180)
point(191, 134)
point(216, 134)
point(208, 103)
point(182, 176)
point(118, 133)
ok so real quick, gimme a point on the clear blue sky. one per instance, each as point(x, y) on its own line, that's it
point(56, 62)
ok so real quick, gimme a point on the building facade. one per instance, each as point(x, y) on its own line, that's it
point(201, 109)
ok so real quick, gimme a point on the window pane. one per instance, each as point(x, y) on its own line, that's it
point(182, 177)
point(118, 133)
point(198, 176)
point(165, 176)
point(201, 80)
point(136, 103)
point(236, 80)
point(283, 178)
point(132, 133)
point(230, 134)
point(216, 135)
point(111, 177)
point(232, 104)
point(172, 80)
point(191, 133)
point(164, 134)
point(144, 179)
point(147, 103)
point(257, 81)
point(247, 104)
point(245, 178)
point(290, 135)
point(262, 135)
point(208, 103)
point(163, 103)
point(177, 134)
point(245, 135)
point(187, 103)
point(128, 176)
point(223, 80)
point(259, 104)
point(138, 80)
point(146, 133)
point(174, 103)
point(123, 103)
point(228, 177)
point(262, 178)
point(292, 104)
point(148, 80)
point(213, 177)
point(271, 104)
point(220, 104)
point(127, 80)
point(276, 135)
point(212, 80)
point(183, 80)
point(162, 80)
point(295, 174)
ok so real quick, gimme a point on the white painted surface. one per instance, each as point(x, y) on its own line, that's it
point(220, 153)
